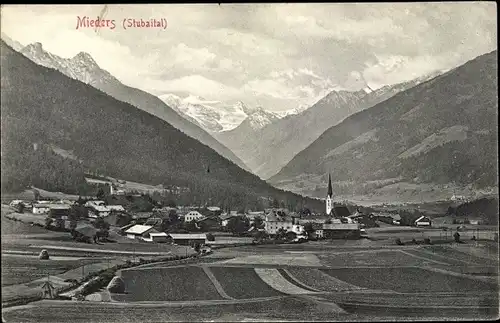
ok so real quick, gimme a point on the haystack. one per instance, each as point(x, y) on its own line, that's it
point(44, 255)
point(116, 285)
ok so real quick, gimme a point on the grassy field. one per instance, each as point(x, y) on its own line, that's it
point(286, 308)
point(315, 278)
point(18, 270)
point(185, 283)
point(242, 282)
point(408, 280)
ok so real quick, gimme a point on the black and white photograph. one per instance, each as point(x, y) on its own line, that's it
point(249, 162)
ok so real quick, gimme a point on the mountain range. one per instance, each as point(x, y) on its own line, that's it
point(217, 116)
point(82, 67)
point(43, 108)
point(443, 130)
point(266, 150)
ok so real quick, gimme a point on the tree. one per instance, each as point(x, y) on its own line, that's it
point(290, 235)
point(171, 203)
point(258, 222)
point(309, 229)
point(190, 226)
point(100, 194)
point(238, 224)
point(20, 207)
point(60, 223)
point(48, 222)
point(260, 236)
point(210, 237)
point(280, 234)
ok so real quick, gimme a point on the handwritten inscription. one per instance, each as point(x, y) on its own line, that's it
point(87, 22)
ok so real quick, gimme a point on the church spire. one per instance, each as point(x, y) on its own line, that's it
point(330, 191)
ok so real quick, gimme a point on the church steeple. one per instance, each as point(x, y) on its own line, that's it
point(330, 191)
point(329, 195)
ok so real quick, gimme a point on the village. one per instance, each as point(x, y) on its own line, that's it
point(91, 221)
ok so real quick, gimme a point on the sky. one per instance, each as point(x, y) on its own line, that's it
point(278, 56)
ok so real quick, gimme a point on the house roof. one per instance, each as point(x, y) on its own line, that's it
point(421, 218)
point(188, 236)
point(227, 216)
point(101, 208)
point(138, 229)
point(158, 234)
point(46, 206)
point(116, 207)
point(213, 208)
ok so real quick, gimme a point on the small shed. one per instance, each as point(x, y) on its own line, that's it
point(423, 221)
point(188, 238)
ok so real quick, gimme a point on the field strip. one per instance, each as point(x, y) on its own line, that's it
point(137, 253)
point(100, 305)
point(298, 282)
point(424, 258)
point(341, 283)
point(441, 256)
point(216, 283)
point(486, 279)
point(331, 252)
point(324, 302)
point(274, 279)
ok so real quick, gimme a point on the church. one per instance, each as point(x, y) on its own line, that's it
point(329, 197)
point(332, 210)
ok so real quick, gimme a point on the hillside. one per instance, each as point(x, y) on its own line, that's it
point(82, 67)
point(268, 149)
point(43, 108)
point(442, 131)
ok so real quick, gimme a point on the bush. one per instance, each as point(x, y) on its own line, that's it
point(427, 241)
point(44, 255)
point(210, 237)
point(116, 285)
point(398, 242)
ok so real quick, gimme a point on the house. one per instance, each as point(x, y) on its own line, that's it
point(188, 238)
point(99, 211)
point(60, 211)
point(141, 217)
point(336, 230)
point(41, 208)
point(252, 215)
point(212, 223)
point(139, 231)
point(278, 219)
point(160, 237)
point(213, 208)
point(192, 215)
point(94, 203)
point(297, 228)
point(117, 208)
point(422, 221)
point(318, 230)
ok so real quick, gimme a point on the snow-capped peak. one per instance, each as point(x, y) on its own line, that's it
point(84, 58)
point(81, 67)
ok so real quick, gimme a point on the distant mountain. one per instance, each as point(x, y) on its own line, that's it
point(268, 149)
point(444, 130)
point(12, 43)
point(217, 116)
point(42, 108)
point(82, 67)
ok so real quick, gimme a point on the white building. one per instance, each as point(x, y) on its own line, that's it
point(192, 215)
point(41, 208)
point(276, 220)
point(140, 231)
point(118, 208)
